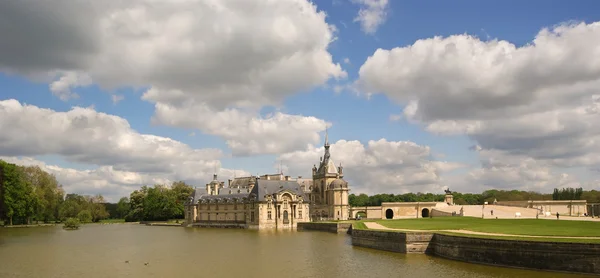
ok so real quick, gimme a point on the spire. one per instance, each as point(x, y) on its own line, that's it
point(326, 136)
point(215, 172)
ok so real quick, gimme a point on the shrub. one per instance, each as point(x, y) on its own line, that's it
point(71, 224)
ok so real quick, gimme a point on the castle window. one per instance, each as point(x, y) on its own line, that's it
point(300, 214)
point(252, 217)
point(269, 215)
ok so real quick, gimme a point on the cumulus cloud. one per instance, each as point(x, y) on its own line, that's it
point(537, 101)
point(246, 135)
point(112, 184)
point(62, 87)
point(85, 136)
point(379, 166)
point(371, 15)
point(222, 55)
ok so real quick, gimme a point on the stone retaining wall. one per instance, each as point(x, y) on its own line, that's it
point(556, 256)
point(392, 241)
point(553, 256)
point(331, 227)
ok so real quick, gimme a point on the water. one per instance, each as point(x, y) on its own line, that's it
point(101, 251)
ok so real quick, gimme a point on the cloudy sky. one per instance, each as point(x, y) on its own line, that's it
point(417, 95)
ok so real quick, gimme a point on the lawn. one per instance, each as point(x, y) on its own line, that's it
point(112, 221)
point(537, 227)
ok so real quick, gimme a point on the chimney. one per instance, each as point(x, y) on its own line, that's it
point(299, 177)
point(215, 177)
point(208, 189)
point(229, 183)
point(287, 178)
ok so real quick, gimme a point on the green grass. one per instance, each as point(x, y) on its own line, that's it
point(536, 227)
point(537, 239)
point(112, 221)
point(358, 225)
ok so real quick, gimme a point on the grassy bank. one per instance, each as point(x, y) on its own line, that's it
point(537, 239)
point(111, 221)
point(533, 227)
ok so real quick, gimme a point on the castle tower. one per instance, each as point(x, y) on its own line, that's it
point(330, 191)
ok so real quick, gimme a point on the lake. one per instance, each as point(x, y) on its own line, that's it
point(101, 251)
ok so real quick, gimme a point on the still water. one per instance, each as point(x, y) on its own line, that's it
point(102, 251)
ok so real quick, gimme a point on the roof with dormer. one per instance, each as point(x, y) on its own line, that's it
point(258, 192)
point(266, 187)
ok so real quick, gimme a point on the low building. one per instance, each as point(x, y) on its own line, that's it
point(562, 207)
point(397, 210)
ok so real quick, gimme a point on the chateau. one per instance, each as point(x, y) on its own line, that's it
point(271, 201)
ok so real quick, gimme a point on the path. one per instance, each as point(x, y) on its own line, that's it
point(376, 226)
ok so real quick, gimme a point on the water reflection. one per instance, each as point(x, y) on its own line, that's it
point(101, 251)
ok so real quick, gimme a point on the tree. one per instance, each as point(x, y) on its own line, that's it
point(97, 208)
point(123, 207)
point(181, 191)
point(136, 211)
point(85, 216)
point(19, 201)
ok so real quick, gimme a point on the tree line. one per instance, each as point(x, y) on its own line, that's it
point(155, 203)
point(591, 196)
point(27, 194)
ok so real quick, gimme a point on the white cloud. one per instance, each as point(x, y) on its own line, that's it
point(85, 136)
point(117, 98)
point(222, 55)
point(62, 88)
point(379, 166)
point(246, 135)
point(371, 15)
point(538, 101)
point(347, 60)
point(112, 184)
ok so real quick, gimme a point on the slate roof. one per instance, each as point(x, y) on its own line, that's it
point(261, 189)
point(264, 187)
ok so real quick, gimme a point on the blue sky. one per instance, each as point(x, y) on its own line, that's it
point(354, 115)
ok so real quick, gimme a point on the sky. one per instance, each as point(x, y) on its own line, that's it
point(416, 96)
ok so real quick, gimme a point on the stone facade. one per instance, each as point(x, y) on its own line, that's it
point(266, 202)
point(329, 191)
point(397, 210)
point(563, 207)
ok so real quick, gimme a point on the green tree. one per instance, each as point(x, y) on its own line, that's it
point(85, 216)
point(136, 201)
point(97, 208)
point(181, 192)
point(123, 207)
point(19, 201)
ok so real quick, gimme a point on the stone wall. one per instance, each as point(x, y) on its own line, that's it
point(439, 213)
point(556, 256)
point(325, 227)
point(392, 241)
point(553, 256)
